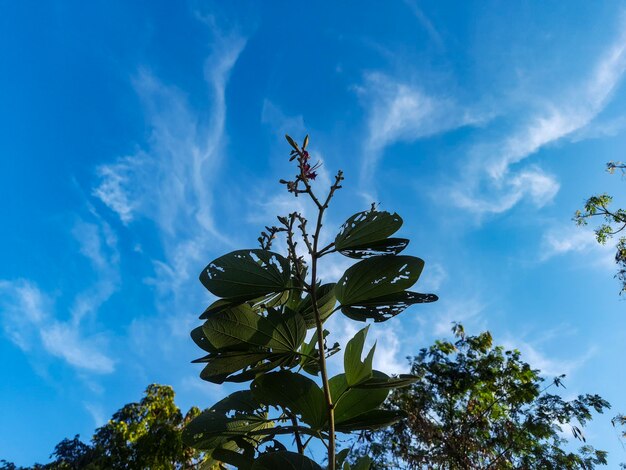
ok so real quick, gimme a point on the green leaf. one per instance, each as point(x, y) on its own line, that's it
point(365, 228)
point(364, 463)
point(246, 274)
point(293, 392)
point(210, 430)
point(387, 306)
point(371, 420)
point(341, 456)
point(389, 246)
point(284, 460)
point(382, 380)
point(221, 367)
point(376, 277)
point(326, 301)
point(357, 371)
point(239, 339)
point(232, 457)
point(351, 402)
point(241, 328)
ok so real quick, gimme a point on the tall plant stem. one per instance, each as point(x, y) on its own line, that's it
point(315, 255)
point(320, 344)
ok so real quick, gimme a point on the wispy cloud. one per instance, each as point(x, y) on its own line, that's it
point(32, 322)
point(170, 180)
point(549, 365)
point(492, 184)
point(403, 112)
point(29, 322)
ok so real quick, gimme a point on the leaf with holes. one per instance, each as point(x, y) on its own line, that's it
point(385, 307)
point(326, 301)
point(388, 246)
point(366, 229)
point(377, 277)
point(284, 460)
point(241, 328)
point(246, 274)
point(357, 371)
point(292, 392)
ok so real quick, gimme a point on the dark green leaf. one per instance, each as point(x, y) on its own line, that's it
point(385, 307)
point(351, 402)
point(241, 328)
point(210, 430)
point(284, 460)
point(376, 277)
point(231, 457)
point(374, 419)
point(388, 246)
point(326, 301)
point(364, 463)
point(246, 274)
point(357, 371)
point(365, 228)
point(221, 367)
point(294, 392)
point(381, 380)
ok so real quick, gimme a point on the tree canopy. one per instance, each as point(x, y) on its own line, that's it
point(141, 435)
point(479, 406)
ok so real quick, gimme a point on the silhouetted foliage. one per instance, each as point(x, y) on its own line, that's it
point(143, 435)
point(479, 406)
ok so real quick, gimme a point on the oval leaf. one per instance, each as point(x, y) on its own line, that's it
point(367, 227)
point(246, 274)
point(388, 306)
point(377, 277)
point(389, 246)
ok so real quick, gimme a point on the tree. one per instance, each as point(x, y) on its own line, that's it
point(142, 435)
point(256, 329)
point(477, 406)
point(613, 223)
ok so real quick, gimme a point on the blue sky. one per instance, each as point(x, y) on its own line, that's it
point(140, 140)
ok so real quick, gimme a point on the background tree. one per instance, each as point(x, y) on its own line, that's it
point(613, 223)
point(142, 435)
point(476, 406)
point(256, 329)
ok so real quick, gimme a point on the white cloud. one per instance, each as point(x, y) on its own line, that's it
point(491, 185)
point(548, 365)
point(28, 321)
point(170, 181)
point(401, 112)
point(28, 314)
